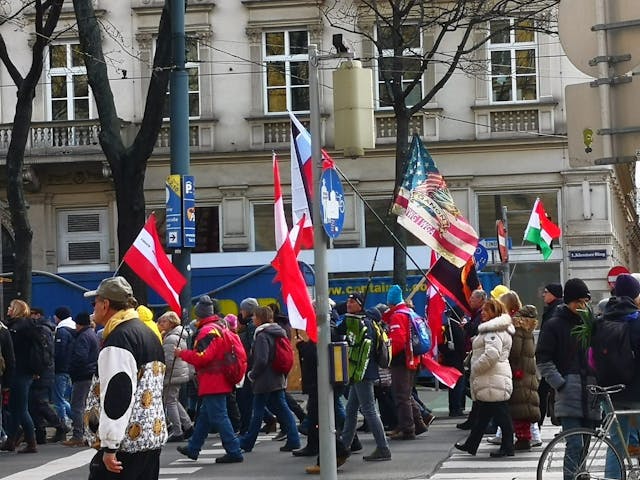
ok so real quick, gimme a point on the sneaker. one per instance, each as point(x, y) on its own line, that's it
point(421, 428)
point(403, 436)
point(74, 442)
point(466, 425)
point(495, 440)
point(175, 438)
point(280, 436)
point(428, 419)
point(288, 448)
point(313, 470)
point(184, 450)
point(305, 452)
point(378, 455)
point(229, 459)
point(536, 443)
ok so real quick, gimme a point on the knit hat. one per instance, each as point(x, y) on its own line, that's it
point(116, 289)
point(554, 289)
point(574, 289)
point(498, 291)
point(204, 307)
point(232, 321)
point(358, 298)
point(144, 313)
point(394, 295)
point(627, 286)
point(62, 312)
point(83, 319)
point(249, 304)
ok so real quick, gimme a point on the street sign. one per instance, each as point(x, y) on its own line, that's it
point(481, 256)
point(332, 203)
point(173, 211)
point(575, 21)
point(503, 250)
point(587, 254)
point(613, 275)
point(188, 212)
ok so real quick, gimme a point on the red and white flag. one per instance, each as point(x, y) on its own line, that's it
point(434, 312)
point(294, 288)
point(147, 259)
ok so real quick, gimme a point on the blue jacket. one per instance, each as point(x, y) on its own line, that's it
point(65, 334)
point(84, 355)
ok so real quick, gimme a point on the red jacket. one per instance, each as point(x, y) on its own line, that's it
point(207, 356)
point(397, 317)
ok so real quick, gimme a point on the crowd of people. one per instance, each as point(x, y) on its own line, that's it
point(125, 384)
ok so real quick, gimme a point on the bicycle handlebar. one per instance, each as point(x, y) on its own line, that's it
point(598, 390)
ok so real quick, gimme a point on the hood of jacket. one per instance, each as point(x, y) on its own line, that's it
point(498, 324)
point(67, 323)
point(272, 329)
point(619, 307)
point(528, 324)
point(179, 331)
point(206, 320)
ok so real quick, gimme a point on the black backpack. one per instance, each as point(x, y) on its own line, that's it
point(613, 358)
point(41, 352)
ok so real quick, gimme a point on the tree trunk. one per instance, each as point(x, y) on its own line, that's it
point(402, 149)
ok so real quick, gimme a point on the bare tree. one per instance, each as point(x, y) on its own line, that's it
point(45, 18)
point(397, 26)
point(128, 162)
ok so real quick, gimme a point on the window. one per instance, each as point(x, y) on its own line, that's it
point(286, 56)
point(207, 228)
point(192, 66)
point(513, 54)
point(411, 45)
point(519, 206)
point(68, 86)
point(264, 238)
point(83, 237)
point(375, 233)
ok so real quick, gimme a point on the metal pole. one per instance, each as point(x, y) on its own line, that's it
point(326, 422)
point(506, 276)
point(179, 85)
point(603, 72)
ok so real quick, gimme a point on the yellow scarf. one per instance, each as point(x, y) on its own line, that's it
point(119, 317)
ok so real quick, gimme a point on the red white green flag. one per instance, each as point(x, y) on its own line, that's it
point(541, 230)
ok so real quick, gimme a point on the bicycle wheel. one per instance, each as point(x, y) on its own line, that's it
point(587, 463)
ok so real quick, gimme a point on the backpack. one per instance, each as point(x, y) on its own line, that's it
point(359, 342)
point(41, 352)
point(382, 351)
point(420, 334)
point(282, 356)
point(235, 358)
point(611, 353)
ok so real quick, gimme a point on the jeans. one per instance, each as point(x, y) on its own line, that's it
point(177, 418)
point(278, 405)
point(573, 448)
point(19, 406)
point(213, 413)
point(78, 402)
point(361, 396)
point(611, 468)
point(60, 395)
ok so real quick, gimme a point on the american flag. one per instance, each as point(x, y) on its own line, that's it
point(426, 208)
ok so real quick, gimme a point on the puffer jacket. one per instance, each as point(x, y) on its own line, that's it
point(179, 372)
point(397, 317)
point(207, 356)
point(524, 403)
point(263, 378)
point(490, 369)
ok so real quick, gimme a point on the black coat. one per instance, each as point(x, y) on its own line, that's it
point(84, 355)
point(6, 347)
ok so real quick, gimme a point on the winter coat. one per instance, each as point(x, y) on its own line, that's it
point(84, 355)
point(180, 372)
point(397, 317)
point(562, 362)
point(549, 310)
point(452, 357)
point(263, 378)
point(6, 347)
point(308, 355)
point(63, 346)
point(623, 309)
point(371, 371)
point(490, 369)
point(207, 356)
point(524, 403)
point(22, 336)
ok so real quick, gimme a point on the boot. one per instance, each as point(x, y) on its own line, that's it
point(30, 447)
point(9, 444)
point(41, 436)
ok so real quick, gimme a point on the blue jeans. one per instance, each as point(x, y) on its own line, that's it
point(61, 395)
point(19, 407)
point(278, 405)
point(361, 396)
point(573, 448)
point(612, 468)
point(213, 413)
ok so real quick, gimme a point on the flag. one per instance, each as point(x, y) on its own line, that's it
point(456, 283)
point(147, 259)
point(294, 289)
point(541, 230)
point(426, 208)
point(435, 309)
point(446, 375)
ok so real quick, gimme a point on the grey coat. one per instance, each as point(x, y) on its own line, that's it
point(176, 337)
point(263, 378)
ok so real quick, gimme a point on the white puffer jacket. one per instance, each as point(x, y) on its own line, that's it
point(490, 369)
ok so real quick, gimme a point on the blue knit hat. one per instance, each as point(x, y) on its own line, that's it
point(394, 295)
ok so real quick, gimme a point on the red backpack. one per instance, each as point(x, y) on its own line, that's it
point(283, 356)
point(235, 357)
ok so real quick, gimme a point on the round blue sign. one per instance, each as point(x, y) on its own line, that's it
point(331, 202)
point(481, 256)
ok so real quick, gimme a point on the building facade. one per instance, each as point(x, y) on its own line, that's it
point(497, 134)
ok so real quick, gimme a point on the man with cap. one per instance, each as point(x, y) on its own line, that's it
point(552, 297)
point(131, 428)
point(213, 387)
point(84, 365)
point(403, 367)
point(63, 344)
point(562, 361)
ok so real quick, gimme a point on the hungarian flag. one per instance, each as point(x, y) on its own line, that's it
point(435, 310)
point(294, 289)
point(456, 283)
point(541, 230)
point(147, 259)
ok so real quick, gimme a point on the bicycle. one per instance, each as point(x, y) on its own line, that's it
point(589, 464)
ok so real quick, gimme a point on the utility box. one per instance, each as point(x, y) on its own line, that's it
point(353, 108)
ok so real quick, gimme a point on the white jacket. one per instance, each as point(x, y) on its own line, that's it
point(490, 369)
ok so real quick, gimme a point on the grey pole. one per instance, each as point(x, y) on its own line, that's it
point(327, 433)
point(507, 273)
point(603, 73)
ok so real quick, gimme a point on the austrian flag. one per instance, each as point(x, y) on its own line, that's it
point(147, 259)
